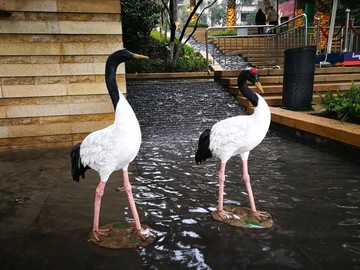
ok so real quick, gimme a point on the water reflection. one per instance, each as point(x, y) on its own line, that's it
point(313, 196)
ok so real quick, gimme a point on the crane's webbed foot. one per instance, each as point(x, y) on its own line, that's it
point(100, 232)
point(261, 216)
point(144, 234)
point(226, 215)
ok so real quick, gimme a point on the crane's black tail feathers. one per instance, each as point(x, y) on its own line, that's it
point(77, 168)
point(203, 151)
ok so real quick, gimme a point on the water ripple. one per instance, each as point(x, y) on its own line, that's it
point(312, 196)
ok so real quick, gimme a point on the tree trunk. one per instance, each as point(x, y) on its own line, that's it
point(231, 13)
point(172, 18)
point(192, 6)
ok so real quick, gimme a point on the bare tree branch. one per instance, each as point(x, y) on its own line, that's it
point(196, 23)
point(168, 10)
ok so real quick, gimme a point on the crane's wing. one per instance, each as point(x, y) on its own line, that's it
point(231, 135)
point(96, 148)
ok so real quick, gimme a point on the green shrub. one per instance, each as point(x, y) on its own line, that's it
point(344, 107)
point(189, 61)
point(200, 24)
point(138, 18)
point(230, 32)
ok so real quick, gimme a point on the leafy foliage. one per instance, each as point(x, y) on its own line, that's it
point(344, 107)
point(218, 14)
point(139, 17)
point(354, 7)
point(189, 60)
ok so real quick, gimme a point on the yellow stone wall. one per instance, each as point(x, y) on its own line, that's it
point(52, 62)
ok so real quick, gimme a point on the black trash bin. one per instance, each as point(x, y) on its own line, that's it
point(298, 81)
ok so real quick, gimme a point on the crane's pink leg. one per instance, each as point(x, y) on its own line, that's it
point(259, 215)
point(221, 187)
point(128, 190)
point(98, 195)
point(225, 215)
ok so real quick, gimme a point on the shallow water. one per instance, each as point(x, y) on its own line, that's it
point(312, 196)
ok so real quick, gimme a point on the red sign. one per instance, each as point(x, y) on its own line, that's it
point(351, 59)
point(287, 9)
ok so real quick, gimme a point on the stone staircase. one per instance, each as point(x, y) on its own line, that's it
point(333, 79)
point(199, 35)
point(259, 50)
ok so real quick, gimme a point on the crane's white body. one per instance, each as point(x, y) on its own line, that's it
point(114, 147)
point(238, 135)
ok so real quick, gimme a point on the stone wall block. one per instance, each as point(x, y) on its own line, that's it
point(52, 63)
point(39, 130)
point(11, 91)
point(37, 110)
point(88, 127)
point(87, 108)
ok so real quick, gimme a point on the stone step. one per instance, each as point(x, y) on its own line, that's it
point(277, 72)
point(326, 79)
point(271, 90)
point(318, 78)
point(274, 101)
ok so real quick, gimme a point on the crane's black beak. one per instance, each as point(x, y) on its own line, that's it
point(259, 87)
point(140, 57)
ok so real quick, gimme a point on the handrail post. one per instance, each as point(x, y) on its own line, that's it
point(306, 28)
point(346, 46)
point(351, 42)
point(207, 49)
point(317, 37)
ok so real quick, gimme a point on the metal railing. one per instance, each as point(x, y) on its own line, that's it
point(265, 50)
point(258, 49)
point(346, 37)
